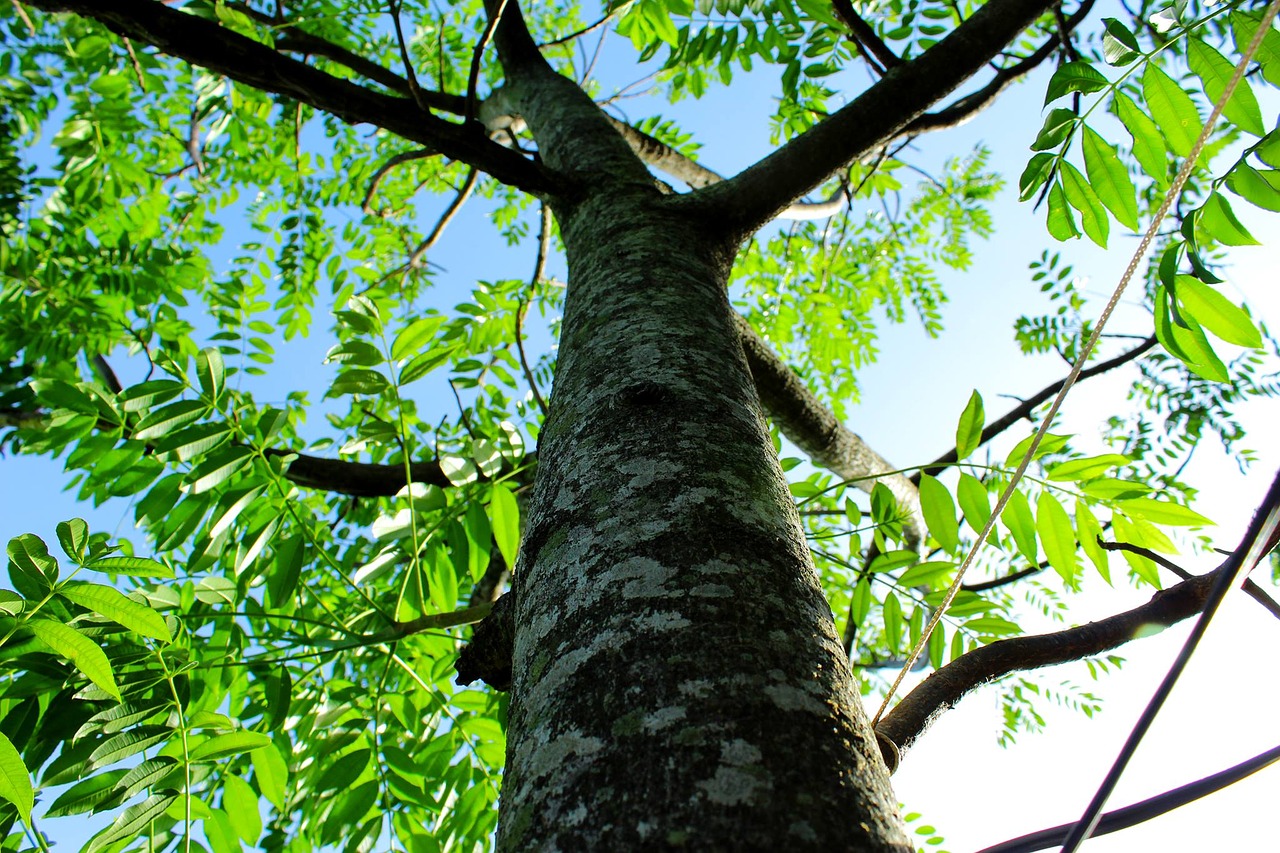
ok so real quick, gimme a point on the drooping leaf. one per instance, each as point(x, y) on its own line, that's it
point(1058, 537)
point(271, 773)
point(1018, 517)
point(969, 428)
point(1093, 215)
point(974, 502)
point(1058, 125)
point(1163, 512)
point(1214, 72)
point(1172, 108)
point(109, 602)
point(1086, 469)
point(1074, 77)
point(939, 512)
point(1061, 224)
point(1148, 145)
point(1119, 46)
point(1110, 179)
point(83, 653)
point(1217, 313)
point(505, 515)
point(15, 781)
point(1218, 220)
point(211, 373)
point(1260, 188)
point(1089, 531)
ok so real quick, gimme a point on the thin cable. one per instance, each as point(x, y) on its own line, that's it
point(1139, 253)
point(1143, 811)
point(1252, 549)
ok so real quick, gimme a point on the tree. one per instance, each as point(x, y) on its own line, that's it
point(667, 670)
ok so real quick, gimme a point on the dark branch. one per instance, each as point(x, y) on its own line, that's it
point(206, 44)
point(1254, 591)
point(755, 196)
point(865, 37)
point(1142, 811)
point(963, 109)
point(945, 687)
point(1027, 406)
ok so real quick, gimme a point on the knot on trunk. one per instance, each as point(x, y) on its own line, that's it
point(487, 657)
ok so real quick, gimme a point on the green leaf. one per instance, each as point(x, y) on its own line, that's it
point(1172, 108)
point(939, 512)
point(139, 567)
point(232, 743)
point(145, 775)
point(344, 772)
point(87, 795)
point(359, 381)
point(241, 804)
point(1243, 27)
point(196, 440)
point(1216, 313)
point(1089, 530)
point(73, 536)
point(1119, 46)
point(505, 514)
point(132, 822)
point(1217, 219)
point(889, 561)
point(1110, 179)
point(1163, 512)
point(1057, 128)
point(1093, 216)
point(1061, 224)
point(974, 502)
point(1086, 469)
point(79, 649)
point(130, 743)
point(415, 336)
point(148, 395)
point(1261, 189)
point(212, 373)
point(969, 428)
point(29, 553)
point(355, 352)
point(169, 418)
point(1018, 518)
point(935, 574)
point(892, 621)
point(15, 781)
point(1039, 170)
point(1058, 538)
point(109, 602)
point(1215, 72)
point(1049, 444)
point(1148, 144)
point(271, 773)
point(218, 468)
point(1185, 340)
point(1074, 77)
point(1141, 566)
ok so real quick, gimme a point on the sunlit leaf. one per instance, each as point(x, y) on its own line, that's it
point(83, 653)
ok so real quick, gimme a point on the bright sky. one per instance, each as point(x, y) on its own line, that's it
point(972, 791)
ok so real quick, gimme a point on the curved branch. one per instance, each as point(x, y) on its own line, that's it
point(884, 110)
point(1142, 811)
point(208, 45)
point(945, 687)
point(814, 429)
point(1027, 406)
point(1250, 588)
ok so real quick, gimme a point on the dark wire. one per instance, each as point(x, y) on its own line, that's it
point(1142, 811)
point(1261, 533)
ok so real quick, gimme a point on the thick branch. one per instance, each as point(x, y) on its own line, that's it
point(756, 195)
point(1250, 588)
point(963, 109)
point(944, 688)
point(1027, 406)
point(814, 429)
point(206, 44)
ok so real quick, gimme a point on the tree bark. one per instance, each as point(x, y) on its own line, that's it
point(677, 679)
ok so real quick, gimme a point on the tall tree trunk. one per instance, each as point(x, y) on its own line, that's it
point(677, 677)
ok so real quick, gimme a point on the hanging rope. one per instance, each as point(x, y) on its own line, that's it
point(1183, 173)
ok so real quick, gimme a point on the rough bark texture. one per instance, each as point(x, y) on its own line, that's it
point(677, 677)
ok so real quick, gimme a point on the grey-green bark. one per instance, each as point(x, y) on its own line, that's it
point(677, 677)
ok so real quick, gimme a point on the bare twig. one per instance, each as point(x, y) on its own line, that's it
point(26, 19)
point(415, 259)
point(539, 267)
point(473, 76)
point(403, 157)
point(415, 91)
point(574, 35)
point(1254, 591)
point(137, 66)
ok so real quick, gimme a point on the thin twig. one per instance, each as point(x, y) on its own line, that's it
point(873, 49)
point(414, 89)
point(473, 77)
point(1254, 591)
point(566, 39)
point(539, 267)
point(137, 66)
point(403, 157)
point(22, 13)
point(415, 259)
